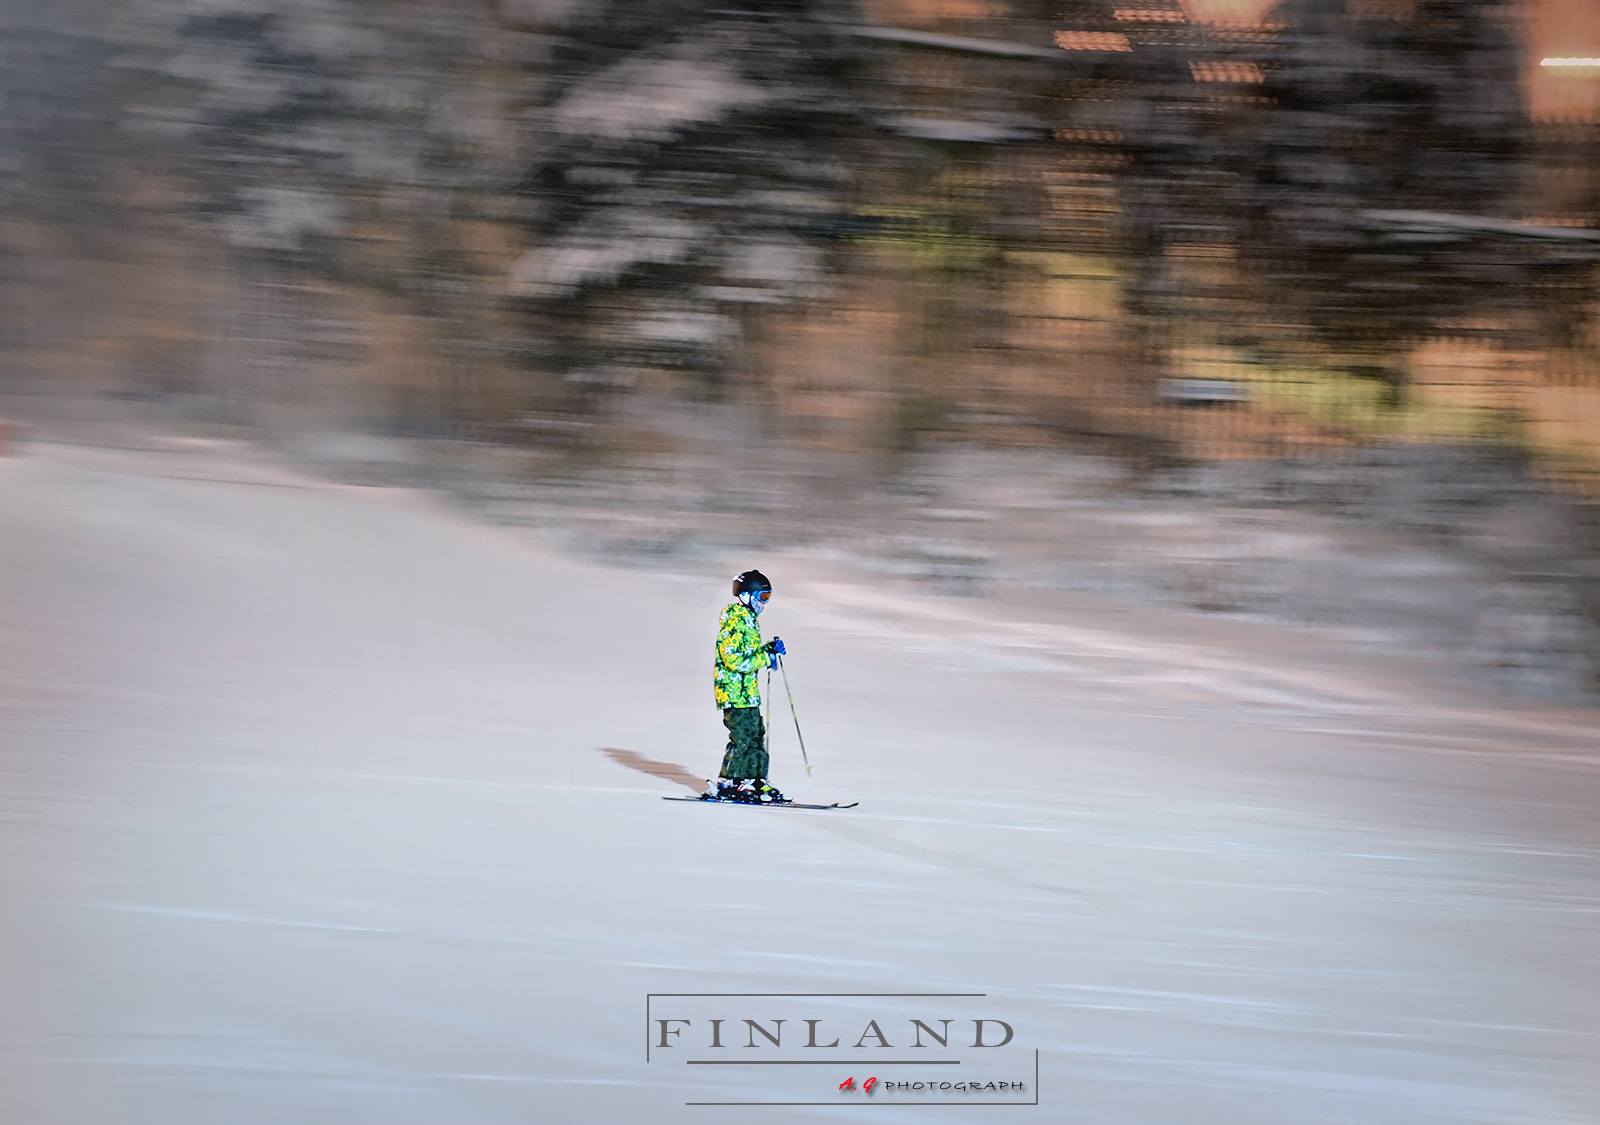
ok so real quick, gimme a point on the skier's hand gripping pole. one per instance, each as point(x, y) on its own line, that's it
point(803, 756)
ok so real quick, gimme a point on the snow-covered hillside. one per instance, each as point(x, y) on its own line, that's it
point(305, 818)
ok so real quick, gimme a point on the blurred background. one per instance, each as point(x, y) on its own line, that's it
point(1275, 310)
point(1172, 431)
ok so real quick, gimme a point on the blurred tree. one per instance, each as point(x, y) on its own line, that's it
point(1386, 106)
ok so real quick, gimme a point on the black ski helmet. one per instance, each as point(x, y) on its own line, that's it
point(750, 582)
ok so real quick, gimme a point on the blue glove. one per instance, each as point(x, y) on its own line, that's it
point(775, 646)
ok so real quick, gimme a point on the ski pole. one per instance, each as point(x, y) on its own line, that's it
point(766, 728)
point(790, 694)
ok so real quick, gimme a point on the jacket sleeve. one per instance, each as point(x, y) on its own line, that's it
point(739, 647)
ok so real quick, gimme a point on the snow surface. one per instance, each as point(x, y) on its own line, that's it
point(305, 818)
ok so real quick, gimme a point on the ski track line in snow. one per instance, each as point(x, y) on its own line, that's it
point(1070, 642)
point(191, 914)
point(1174, 662)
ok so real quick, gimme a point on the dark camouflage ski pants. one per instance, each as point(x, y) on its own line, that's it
point(747, 743)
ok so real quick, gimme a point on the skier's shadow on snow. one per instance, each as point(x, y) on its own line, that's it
point(667, 771)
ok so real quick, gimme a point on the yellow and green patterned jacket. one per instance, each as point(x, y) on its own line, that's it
point(739, 657)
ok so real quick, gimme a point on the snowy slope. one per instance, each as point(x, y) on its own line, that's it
point(305, 819)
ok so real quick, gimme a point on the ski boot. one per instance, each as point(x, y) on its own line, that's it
point(729, 789)
point(766, 794)
point(744, 790)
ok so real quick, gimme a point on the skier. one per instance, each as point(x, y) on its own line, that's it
point(740, 657)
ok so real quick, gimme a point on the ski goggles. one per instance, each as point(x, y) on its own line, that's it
point(762, 596)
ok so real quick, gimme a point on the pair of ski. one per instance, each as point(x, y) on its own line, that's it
point(761, 805)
